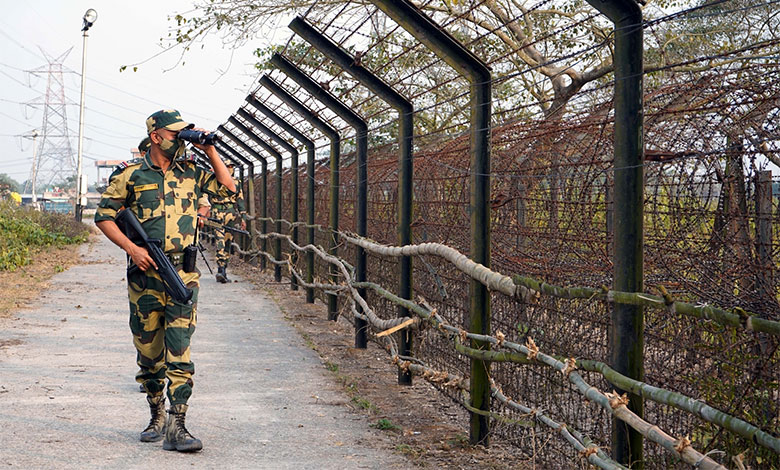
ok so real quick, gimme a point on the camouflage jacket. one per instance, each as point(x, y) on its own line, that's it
point(166, 204)
point(236, 199)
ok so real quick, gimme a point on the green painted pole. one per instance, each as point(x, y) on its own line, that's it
point(764, 234)
point(478, 73)
point(335, 152)
point(626, 338)
point(278, 156)
point(405, 173)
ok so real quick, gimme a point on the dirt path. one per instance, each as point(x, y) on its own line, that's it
point(261, 397)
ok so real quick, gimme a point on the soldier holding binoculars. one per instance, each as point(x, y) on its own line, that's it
point(162, 190)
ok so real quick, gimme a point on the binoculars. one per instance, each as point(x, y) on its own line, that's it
point(198, 137)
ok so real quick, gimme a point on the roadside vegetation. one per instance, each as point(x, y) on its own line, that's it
point(24, 232)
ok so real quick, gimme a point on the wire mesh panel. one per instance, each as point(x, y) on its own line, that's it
point(711, 233)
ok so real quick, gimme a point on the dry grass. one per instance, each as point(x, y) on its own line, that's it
point(22, 286)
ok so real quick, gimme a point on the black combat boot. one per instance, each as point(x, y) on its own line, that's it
point(176, 435)
point(222, 275)
point(156, 428)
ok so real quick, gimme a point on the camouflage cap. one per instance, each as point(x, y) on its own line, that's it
point(229, 163)
point(166, 118)
point(145, 145)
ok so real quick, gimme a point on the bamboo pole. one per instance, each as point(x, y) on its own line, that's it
point(528, 289)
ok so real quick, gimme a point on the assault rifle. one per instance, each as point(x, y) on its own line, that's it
point(129, 225)
point(216, 223)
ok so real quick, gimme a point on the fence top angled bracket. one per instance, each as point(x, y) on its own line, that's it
point(291, 101)
point(254, 122)
point(318, 92)
point(279, 121)
point(243, 145)
point(425, 30)
point(226, 149)
point(248, 132)
point(344, 60)
point(619, 11)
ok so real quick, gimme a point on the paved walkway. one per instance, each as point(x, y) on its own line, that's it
point(261, 397)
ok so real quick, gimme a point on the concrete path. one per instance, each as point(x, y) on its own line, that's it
point(261, 398)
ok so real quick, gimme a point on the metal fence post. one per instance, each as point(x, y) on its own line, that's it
point(405, 174)
point(764, 234)
point(278, 156)
point(626, 339)
point(609, 216)
point(335, 152)
point(478, 74)
point(309, 144)
point(252, 120)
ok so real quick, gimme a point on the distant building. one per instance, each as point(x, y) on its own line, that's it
point(102, 175)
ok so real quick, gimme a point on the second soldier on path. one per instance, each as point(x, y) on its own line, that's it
point(228, 211)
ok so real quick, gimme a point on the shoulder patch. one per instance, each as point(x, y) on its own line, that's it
point(126, 164)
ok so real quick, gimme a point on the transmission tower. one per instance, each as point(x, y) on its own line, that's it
point(55, 158)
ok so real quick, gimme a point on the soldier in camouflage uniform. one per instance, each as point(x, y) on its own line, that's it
point(227, 210)
point(144, 146)
point(162, 190)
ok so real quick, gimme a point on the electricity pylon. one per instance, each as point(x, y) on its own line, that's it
point(55, 158)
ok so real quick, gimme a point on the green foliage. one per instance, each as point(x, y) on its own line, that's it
point(741, 388)
point(385, 424)
point(363, 403)
point(6, 182)
point(23, 231)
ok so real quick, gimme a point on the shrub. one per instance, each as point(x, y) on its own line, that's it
point(24, 231)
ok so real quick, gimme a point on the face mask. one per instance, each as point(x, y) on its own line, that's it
point(172, 148)
point(232, 171)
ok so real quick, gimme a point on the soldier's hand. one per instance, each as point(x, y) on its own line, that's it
point(141, 258)
point(243, 224)
point(201, 222)
point(200, 146)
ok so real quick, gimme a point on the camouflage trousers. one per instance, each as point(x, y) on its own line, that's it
point(223, 237)
point(162, 329)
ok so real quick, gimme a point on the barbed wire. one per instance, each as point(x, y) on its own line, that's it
point(530, 352)
point(709, 134)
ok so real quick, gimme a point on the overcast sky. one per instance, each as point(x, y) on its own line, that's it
point(117, 102)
